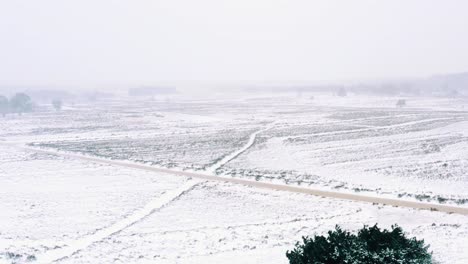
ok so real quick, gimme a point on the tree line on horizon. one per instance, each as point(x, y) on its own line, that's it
point(21, 103)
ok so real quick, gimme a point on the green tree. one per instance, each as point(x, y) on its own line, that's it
point(21, 103)
point(371, 245)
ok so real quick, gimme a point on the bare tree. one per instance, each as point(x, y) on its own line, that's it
point(401, 103)
point(342, 92)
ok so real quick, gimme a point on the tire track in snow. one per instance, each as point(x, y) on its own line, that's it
point(156, 204)
point(212, 169)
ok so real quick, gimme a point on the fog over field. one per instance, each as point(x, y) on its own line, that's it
point(226, 131)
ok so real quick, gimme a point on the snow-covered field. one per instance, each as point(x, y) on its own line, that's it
point(413, 154)
point(55, 207)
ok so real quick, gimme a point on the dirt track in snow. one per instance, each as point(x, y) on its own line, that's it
point(264, 185)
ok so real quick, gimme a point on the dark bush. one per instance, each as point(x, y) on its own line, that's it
point(371, 245)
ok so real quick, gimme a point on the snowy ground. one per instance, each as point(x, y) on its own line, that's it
point(78, 212)
point(75, 211)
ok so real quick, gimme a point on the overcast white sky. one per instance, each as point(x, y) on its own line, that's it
point(96, 42)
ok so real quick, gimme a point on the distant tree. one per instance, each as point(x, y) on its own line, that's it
point(57, 104)
point(371, 245)
point(401, 103)
point(342, 92)
point(21, 103)
point(453, 93)
point(3, 105)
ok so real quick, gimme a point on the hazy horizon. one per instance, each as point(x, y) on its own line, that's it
point(93, 44)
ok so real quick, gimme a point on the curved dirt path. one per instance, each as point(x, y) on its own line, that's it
point(266, 185)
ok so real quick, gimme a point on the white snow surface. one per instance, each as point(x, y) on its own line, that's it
point(68, 210)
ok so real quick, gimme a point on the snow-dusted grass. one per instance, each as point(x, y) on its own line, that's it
point(233, 222)
point(139, 215)
point(54, 207)
point(146, 132)
point(406, 153)
point(47, 201)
